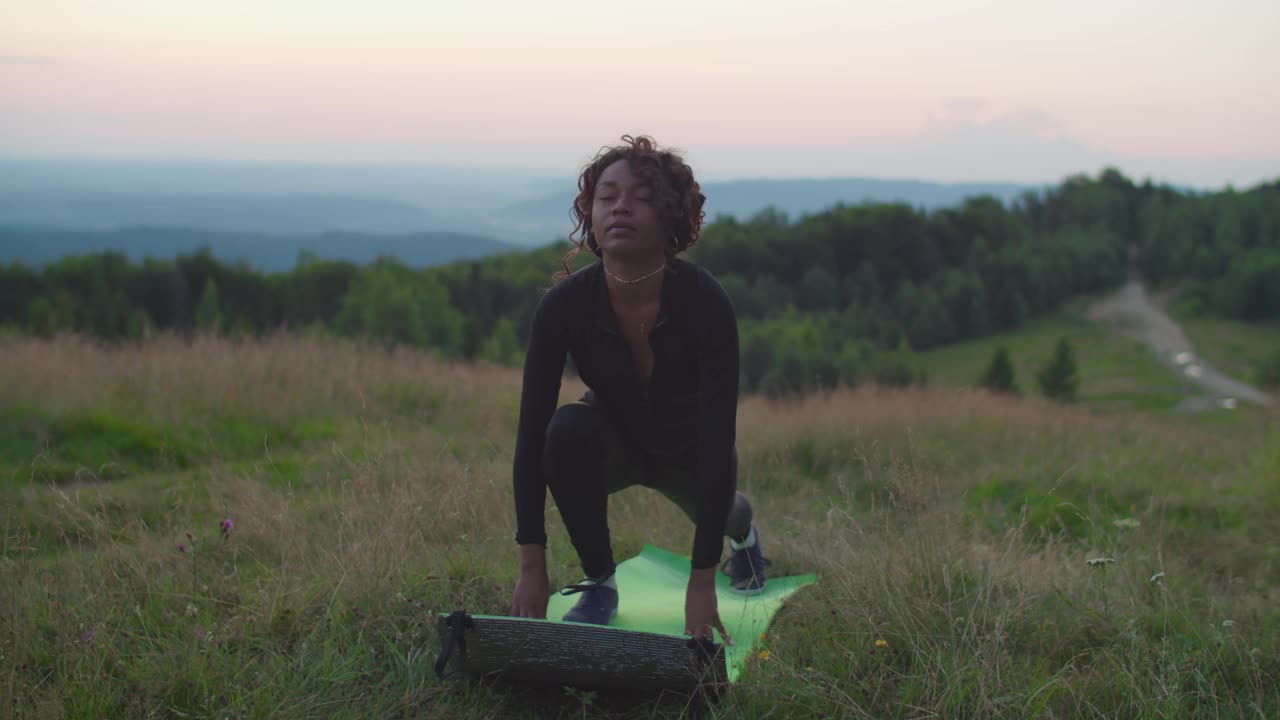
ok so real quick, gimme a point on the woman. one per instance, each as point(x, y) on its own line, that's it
point(655, 339)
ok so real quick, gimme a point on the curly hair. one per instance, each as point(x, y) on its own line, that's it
point(677, 196)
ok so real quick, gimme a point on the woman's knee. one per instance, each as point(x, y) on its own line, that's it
point(576, 434)
point(738, 524)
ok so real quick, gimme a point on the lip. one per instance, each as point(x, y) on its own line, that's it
point(619, 225)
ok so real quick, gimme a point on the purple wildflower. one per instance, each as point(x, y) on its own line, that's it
point(87, 636)
point(182, 547)
point(225, 526)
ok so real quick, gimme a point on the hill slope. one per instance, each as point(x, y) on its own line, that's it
point(977, 556)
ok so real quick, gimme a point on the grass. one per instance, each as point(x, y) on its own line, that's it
point(951, 531)
point(1235, 347)
point(1117, 374)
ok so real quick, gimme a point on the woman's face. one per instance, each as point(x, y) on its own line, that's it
point(624, 218)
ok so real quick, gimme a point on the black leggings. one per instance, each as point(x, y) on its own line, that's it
point(585, 460)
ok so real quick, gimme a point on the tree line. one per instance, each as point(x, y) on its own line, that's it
point(833, 297)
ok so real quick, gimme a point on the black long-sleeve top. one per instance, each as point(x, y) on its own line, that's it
point(690, 401)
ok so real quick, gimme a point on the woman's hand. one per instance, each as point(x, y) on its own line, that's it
point(533, 587)
point(701, 615)
point(531, 594)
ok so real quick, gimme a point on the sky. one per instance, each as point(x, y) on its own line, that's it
point(952, 90)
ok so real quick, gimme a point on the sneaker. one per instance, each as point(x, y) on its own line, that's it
point(597, 605)
point(745, 568)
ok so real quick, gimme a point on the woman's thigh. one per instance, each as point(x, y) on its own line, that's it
point(676, 477)
point(581, 432)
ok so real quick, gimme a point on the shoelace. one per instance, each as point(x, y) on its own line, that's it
point(580, 586)
point(764, 562)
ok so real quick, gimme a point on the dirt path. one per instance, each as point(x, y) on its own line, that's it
point(1132, 312)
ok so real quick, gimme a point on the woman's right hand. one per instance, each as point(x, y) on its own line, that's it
point(533, 589)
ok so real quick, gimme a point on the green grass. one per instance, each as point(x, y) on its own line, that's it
point(1116, 374)
point(93, 444)
point(951, 533)
point(1232, 346)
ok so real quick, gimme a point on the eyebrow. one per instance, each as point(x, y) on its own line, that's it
point(615, 184)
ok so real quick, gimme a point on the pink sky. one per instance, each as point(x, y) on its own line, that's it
point(1184, 91)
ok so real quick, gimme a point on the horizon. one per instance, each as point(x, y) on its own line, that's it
point(544, 173)
point(1180, 92)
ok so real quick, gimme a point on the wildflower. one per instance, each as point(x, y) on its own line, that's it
point(1157, 577)
point(87, 636)
point(1099, 561)
point(182, 547)
point(225, 526)
point(881, 644)
point(764, 655)
point(762, 636)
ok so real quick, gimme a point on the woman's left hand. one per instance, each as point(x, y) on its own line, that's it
point(701, 615)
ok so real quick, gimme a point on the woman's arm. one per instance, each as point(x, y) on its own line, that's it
point(717, 420)
point(540, 391)
point(717, 331)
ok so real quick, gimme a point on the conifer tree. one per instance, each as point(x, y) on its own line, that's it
point(999, 375)
point(1059, 379)
point(208, 312)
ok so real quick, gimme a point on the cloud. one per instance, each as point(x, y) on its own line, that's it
point(969, 140)
point(966, 139)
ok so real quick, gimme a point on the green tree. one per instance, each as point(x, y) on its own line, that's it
point(1059, 379)
point(208, 312)
point(898, 368)
point(139, 325)
point(501, 346)
point(394, 304)
point(818, 290)
point(41, 319)
point(999, 375)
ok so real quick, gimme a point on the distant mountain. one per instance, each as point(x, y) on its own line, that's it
point(549, 214)
point(37, 246)
point(237, 213)
point(744, 198)
point(516, 206)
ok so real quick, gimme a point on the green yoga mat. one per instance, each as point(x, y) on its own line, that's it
point(643, 646)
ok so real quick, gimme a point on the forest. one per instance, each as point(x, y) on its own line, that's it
point(832, 297)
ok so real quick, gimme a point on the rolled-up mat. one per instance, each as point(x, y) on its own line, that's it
point(644, 645)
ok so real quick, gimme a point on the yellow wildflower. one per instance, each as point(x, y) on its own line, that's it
point(764, 654)
point(881, 644)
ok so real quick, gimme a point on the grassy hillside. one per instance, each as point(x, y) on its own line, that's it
point(1116, 373)
point(369, 490)
point(1233, 346)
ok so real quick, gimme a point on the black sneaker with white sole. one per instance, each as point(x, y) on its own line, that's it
point(597, 605)
point(745, 568)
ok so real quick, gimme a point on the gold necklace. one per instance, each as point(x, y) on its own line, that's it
point(633, 282)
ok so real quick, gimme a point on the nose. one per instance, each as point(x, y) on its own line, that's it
point(621, 205)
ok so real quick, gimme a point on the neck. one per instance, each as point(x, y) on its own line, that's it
point(648, 283)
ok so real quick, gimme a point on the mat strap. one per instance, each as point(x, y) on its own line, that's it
point(458, 622)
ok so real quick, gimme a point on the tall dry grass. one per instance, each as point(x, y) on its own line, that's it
point(940, 594)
